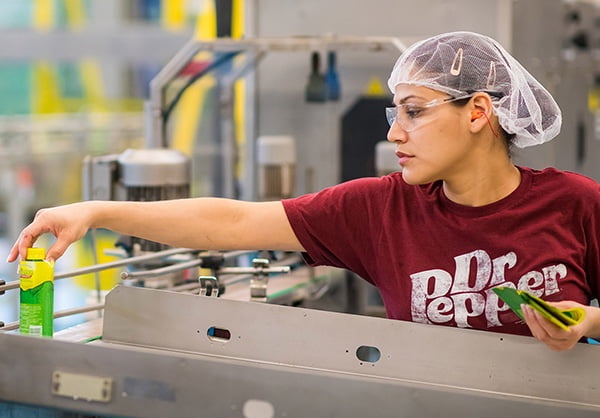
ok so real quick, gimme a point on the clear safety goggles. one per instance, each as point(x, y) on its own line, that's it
point(411, 116)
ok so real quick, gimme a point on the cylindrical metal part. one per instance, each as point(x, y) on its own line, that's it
point(149, 175)
point(276, 157)
point(154, 167)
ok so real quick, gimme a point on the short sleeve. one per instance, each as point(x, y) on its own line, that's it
point(338, 225)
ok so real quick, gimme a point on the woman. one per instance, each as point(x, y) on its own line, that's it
point(435, 238)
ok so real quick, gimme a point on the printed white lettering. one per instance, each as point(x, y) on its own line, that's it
point(551, 276)
point(442, 280)
point(500, 264)
point(440, 310)
point(461, 308)
point(463, 267)
point(438, 297)
point(494, 305)
point(532, 282)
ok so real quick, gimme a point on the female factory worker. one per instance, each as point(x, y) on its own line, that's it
point(435, 239)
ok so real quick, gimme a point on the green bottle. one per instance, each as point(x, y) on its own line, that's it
point(36, 279)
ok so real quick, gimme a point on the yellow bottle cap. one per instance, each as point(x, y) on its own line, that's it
point(36, 253)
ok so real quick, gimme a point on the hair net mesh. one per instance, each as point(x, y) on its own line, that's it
point(460, 63)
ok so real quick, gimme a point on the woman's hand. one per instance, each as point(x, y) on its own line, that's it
point(67, 223)
point(206, 223)
point(559, 339)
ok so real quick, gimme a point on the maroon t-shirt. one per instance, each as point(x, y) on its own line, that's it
point(435, 261)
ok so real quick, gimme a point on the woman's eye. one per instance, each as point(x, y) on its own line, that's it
point(413, 112)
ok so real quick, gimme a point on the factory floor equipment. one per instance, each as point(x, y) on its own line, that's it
point(163, 353)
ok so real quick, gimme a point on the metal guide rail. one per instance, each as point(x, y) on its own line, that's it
point(255, 277)
point(171, 354)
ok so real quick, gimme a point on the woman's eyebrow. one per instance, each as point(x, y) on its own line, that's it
point(407, 98)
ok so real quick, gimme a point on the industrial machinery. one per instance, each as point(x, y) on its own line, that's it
point(202, 346)
point(169, 354)
point(159, 172)
point(137, 175)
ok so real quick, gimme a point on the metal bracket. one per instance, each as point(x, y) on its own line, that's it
point(260, 279)
point(209, 286)
point(260, 271)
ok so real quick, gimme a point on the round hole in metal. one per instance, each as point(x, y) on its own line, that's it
point(218, 334)
point(368, 353)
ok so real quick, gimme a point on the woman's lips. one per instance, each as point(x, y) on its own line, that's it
point(403, 157)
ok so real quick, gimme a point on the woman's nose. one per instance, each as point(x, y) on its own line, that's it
point(396, 133)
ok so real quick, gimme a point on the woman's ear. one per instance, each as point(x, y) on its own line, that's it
point(482, 114)
point(482, 102)
point(476, 114)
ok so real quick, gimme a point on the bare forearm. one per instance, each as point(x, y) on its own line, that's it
point(202, 223)
point(206, 223)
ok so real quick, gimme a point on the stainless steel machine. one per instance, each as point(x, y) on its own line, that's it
point(168, 354)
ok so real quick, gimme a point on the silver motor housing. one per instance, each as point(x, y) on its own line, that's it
point(140, 175)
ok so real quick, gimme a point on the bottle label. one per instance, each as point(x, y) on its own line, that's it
point(30, 321)
point(34, 273)
point(36, 278)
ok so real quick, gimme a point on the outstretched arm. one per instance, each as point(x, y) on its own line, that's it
point(558, 339)
point(203, 223)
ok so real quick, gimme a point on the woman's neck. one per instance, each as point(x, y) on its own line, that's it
point(487, 183)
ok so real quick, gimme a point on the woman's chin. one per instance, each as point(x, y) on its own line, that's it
point(414, 178)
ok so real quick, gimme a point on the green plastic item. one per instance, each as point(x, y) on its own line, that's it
point(36, 282)
point(562, 318)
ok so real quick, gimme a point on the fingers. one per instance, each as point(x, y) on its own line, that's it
point(28, 237)
point(554, 337)
point(12, 255)
point(26, 240)
point(58, 248)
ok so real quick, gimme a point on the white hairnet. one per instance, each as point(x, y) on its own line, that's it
point(460, 63)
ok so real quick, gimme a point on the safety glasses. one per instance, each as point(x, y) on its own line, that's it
point(411, 116)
